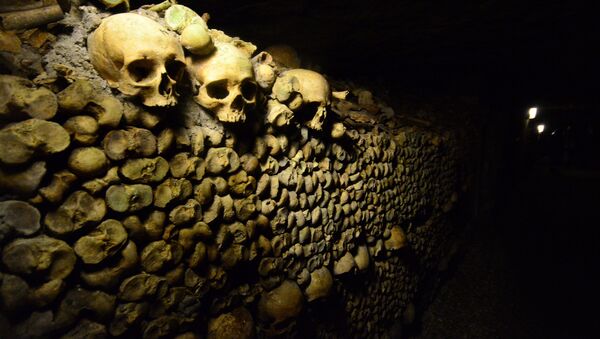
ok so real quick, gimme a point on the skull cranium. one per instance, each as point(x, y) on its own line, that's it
point(279, 308)
point(227, 85)
point(139, 57)
point(304, 90)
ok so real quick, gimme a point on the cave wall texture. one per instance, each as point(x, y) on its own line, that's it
point(150, 190)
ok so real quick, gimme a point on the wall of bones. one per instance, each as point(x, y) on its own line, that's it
point(159, 178)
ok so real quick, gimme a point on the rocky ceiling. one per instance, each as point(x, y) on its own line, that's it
point(458, 44)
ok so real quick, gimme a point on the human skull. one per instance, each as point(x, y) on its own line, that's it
point(227, 85)
point(139, 57)
point(265, 70)
point(304, 91)
point(279, 308)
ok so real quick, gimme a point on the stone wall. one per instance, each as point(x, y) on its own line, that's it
point(135, 212)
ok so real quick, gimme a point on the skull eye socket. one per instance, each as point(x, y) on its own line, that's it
point(248, 89)
point(217, 89)
point(140, 70)
point(308, 111)
point(175, 69)
point(264, 57)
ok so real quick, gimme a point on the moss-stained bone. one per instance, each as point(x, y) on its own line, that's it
point(88, 161)
point(104, 241)
point(128, 198)
point(22, 181)
point(17, 295)
point(196, 39)
point(115, 3)
point(108, 277)
point(20, 98)
point(320, 285)
point(145, 170)
point(41, 256)
point(83, 129)
point(79, 209)
point(24, 140)
point(18, 217)
point(82, 96)
point(132, 142)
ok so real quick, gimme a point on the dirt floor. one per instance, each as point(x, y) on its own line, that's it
point(532, 271)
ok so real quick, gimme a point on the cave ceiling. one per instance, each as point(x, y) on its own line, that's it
point(424, 41)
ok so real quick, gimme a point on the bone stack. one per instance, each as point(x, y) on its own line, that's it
point(270, 189)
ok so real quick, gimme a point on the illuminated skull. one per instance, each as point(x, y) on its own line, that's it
point(305, 92)
point(227, 85)
point(139, 57)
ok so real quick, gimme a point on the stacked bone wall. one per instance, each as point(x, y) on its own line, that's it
point(121, 220)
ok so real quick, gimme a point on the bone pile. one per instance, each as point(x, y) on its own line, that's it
point(206, 190)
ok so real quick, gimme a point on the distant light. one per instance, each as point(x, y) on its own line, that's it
point(541, 128)
point(532, 113)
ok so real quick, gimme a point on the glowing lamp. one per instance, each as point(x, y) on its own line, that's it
point(532, 113)
point(541, 128)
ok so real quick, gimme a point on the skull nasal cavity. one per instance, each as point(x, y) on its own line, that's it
point(140, 70)
point(238, 103)
point(217, 89)
point(165, 88)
